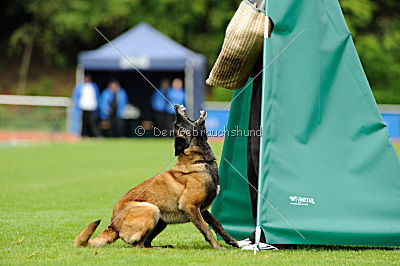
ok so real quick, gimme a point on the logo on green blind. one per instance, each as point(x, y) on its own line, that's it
point(303, 201)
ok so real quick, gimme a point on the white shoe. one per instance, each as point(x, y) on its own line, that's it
point(244, 242)
point(260, 246)
point(265, 246)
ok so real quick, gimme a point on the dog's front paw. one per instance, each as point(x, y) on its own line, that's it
point(234, 243)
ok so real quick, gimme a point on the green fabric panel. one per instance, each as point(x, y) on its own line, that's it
point(232, 206)
point(323, 139)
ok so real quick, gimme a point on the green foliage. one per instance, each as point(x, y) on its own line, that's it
point(375, 26)
point(220, 94)
point(43, 87)
point(60, 29)
point(57, 24)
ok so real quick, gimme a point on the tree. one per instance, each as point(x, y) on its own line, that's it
point(56, 31)
point(375, 26)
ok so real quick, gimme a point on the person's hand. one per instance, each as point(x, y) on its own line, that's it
point(104, 124)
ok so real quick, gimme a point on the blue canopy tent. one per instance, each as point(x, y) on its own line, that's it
point(149, 51)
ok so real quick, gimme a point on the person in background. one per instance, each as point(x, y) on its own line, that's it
point(175, 95)
point(85, 99)
point(113, 101)
point(160, 104)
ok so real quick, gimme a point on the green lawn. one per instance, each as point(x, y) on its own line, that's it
point(50, 191)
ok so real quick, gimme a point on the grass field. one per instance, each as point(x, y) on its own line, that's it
point(50, 191)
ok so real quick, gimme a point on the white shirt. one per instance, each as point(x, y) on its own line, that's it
point(88, 101)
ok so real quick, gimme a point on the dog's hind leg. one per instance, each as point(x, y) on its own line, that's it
point(161, 225)
point(106, 237)
point(137, 222)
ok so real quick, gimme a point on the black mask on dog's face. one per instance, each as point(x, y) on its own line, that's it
point(187, 131)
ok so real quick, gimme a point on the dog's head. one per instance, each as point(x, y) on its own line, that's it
point(191, 136)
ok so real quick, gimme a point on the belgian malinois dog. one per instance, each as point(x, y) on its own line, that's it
point(179, 195)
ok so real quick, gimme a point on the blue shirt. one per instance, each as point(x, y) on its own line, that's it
point(175, 97)
point(158, 101)
point(76, 114)
point(106, 100)
point(76, 95)
point(160, 104)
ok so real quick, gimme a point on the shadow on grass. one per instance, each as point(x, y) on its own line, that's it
point(193, 245)
point(176, 246)
point(323, 247)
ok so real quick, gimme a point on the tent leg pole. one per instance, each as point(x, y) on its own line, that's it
point(258, 236)
point(261, 156)
point(80, 74)
point(189, 86)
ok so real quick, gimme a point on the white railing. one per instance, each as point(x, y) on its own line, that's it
point(389, 108)
point(35, 100)
point(39, 101)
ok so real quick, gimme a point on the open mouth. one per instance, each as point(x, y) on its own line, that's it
point(180, 109)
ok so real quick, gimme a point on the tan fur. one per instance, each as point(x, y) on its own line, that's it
point(174, 196)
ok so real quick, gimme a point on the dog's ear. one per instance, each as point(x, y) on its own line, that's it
point(201, 126)
point(181, 144)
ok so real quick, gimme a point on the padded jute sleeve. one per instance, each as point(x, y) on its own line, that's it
point(241, 48)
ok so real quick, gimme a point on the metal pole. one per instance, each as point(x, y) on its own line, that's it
point(80, 74)
point(69, 117)
point(189, 89)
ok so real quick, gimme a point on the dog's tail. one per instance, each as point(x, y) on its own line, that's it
point(107, 236)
